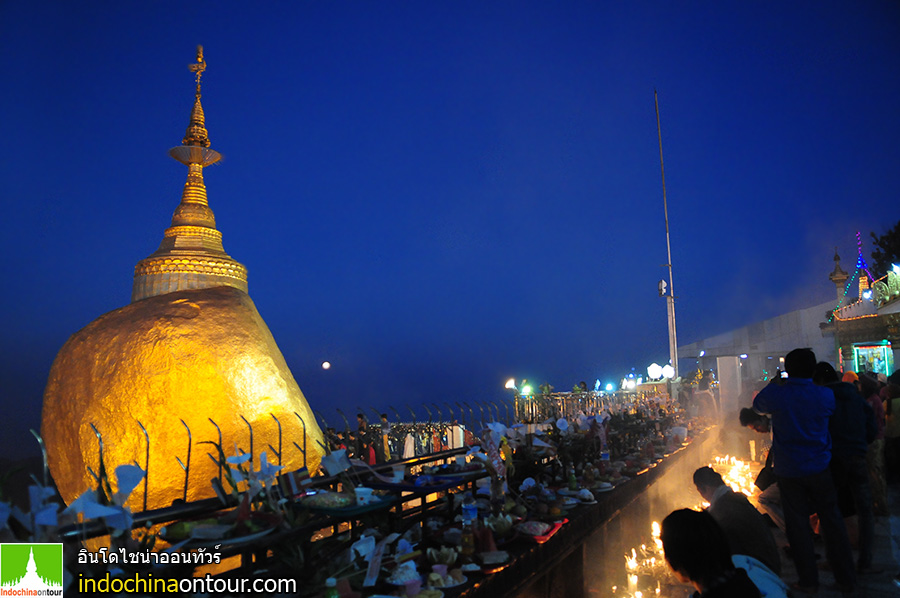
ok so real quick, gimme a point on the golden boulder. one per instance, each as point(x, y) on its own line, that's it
point(194, 356)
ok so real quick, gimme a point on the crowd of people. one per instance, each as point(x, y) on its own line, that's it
point(834, 449)
point(368, 443)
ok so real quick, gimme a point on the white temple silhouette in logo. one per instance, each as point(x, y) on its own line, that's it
point(31, 580)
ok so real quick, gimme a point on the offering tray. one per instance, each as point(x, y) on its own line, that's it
point(435, 484)
point(351, 510)
point(554, 527)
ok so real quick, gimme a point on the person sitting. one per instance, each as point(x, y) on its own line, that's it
point(697, 552)
point(744, 527)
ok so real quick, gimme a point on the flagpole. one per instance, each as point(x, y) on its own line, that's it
point(670, 298)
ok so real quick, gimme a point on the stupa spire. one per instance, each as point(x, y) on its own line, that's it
point(196, 132)
point(191, 255)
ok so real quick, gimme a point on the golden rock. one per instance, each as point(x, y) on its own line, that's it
point(190, 357)
point(194, 355)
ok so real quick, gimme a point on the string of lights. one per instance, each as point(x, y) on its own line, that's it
point(860, 260)
point(860, 265)
point(846, 290)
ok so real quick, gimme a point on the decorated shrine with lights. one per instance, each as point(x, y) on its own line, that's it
point(866, 336)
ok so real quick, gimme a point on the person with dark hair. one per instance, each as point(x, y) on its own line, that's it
point(704, 396)
point(697, 552)
point(890, 395)
point(385, 437)
point(869, 388)
point(362, 437)
point(744, 527)
point(851, 427)
point(753, 420)
point(800, 413)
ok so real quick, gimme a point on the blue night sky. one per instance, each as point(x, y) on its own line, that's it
point(437, 196)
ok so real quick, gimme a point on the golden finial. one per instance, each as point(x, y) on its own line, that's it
point(196, 134)
point(198, 67)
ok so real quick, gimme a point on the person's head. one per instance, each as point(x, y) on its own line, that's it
point(894, 378)
point(384, 417)
point(824, 374)
point(361, 417)
point(868, 385)
point(800, 363)
point(707, 480)
point(850, 377)
point(695, 547)
point(755, 421)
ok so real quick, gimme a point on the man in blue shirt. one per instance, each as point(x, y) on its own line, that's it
point(852, 428)
point(800, 413)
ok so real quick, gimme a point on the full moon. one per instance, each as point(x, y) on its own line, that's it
point(326, 365)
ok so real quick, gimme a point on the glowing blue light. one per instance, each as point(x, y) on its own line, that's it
point(610, 387)
point(743, 356)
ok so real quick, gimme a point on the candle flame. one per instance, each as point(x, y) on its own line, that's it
point(631, 561)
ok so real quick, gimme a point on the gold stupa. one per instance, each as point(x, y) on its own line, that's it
point(188, 359)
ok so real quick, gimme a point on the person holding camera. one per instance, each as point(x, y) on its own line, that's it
point(800, 412)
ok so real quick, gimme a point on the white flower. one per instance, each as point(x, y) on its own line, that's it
point(267, 470)
point(238, 459)
point(127, 479)
point(116, 515)
point(363, 547)
point(498, 428)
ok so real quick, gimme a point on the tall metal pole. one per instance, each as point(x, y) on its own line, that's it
point(670, 298)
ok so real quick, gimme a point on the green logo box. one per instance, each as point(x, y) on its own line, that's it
point(32, 566)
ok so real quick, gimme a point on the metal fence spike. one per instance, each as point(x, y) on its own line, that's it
point(278, 452)
point(215, 459)
point(302, 450)
point(249, 427)
point(346, 422)
point(317, 413)
point(146, 464)
point(40, 442)
point(187, 468)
